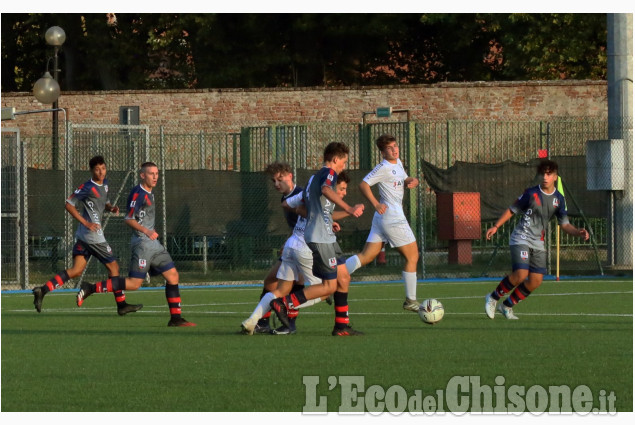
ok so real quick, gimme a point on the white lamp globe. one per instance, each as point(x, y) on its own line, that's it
point(55, 36)
point(46, 90)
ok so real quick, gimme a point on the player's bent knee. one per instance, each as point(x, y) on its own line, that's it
point(73, 273)
point(133, 284)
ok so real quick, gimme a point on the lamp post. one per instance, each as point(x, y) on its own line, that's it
point(47, 89)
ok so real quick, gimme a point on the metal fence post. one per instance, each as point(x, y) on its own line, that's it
point(447, 140)
point(420, 202)
point(68, 187)
point(163, 190)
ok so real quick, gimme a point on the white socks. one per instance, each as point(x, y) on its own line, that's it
point(263, 306)
point(309, 303)
point(352, 264)
point(410, 280)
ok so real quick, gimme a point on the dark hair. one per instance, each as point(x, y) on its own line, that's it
point(335, 149)
point(343, 177)
point(383, 140)
point(96, 160)
point(146, 165)
point(278, 167)
point(547, 165)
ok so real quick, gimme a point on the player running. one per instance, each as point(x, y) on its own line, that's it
point(297, 264)
point(527, 242)
point(389, 222)
point(90, 239)
point(148, 255)
point(328, 262)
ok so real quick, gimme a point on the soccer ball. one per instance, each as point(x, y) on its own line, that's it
point(431, 311)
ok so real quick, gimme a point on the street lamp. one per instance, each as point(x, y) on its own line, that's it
point(47, 89)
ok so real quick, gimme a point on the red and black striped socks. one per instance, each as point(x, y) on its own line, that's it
point(112, 284)
point(340, 301)
point(520, 293)
point(503, 287)
point(173, 295)
point(294, 299)
point(57, 281)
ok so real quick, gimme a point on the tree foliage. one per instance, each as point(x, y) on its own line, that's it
point(143, 51)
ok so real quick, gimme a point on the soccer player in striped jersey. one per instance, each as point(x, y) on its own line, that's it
point(297, 263)
point(527, 241)
point(389, 222)
point(282, 178)
point(90, 240)
point(148, 255)
point(328, 261)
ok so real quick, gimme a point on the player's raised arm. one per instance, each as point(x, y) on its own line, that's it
point(112, 209)
point(411, 182)
point(368, 194)
point(502, 220)
point(152, 234)
point(574, 231)
point(356, 210)
point(93, 227)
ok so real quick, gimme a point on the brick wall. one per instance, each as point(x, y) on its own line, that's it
point(200, 109)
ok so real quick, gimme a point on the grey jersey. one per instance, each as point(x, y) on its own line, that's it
point(319, 226)
point(537, 208)
point(141, 207)
point(94, 198)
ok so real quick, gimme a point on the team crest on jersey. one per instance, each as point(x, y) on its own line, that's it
point(524, 255)
point(142, 263)
point(555, 202)
point(106, 188)
point(332, 262)
point(394, 172)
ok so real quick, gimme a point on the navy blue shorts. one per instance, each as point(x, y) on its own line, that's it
point(102, 251)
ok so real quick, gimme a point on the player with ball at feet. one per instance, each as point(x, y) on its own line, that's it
point(527, 242)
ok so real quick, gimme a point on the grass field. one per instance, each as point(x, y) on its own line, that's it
point(572, 332)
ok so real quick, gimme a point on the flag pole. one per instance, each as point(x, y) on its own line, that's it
point(558, 252)
point(561, 190)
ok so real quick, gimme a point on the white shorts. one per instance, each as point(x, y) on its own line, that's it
point(396, 233)
point(297, 265)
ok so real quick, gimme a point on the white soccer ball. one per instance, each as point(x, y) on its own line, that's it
point(431, 311)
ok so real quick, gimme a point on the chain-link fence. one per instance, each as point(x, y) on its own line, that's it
point(220, 217)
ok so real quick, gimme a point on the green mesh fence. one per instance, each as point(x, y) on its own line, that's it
point(220, 217)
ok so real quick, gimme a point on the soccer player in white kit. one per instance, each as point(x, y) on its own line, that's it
point(389, 222)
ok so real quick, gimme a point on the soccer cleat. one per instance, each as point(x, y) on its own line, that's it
point(248, 327)
point(180, 322)
point(508, 312)
point(85, 290)
point(38, 296)
point(329, 299)
point(490, 306)
point(283, 330)
point(262, 329)
point(347, 331)
point(280, 309)
point(128, 308)
point(411, 305)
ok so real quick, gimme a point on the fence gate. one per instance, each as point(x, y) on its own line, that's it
point(14, 219)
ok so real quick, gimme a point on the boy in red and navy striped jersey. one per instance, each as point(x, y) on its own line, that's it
point(148, 255)
point(527, 242)
point(90, 241)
